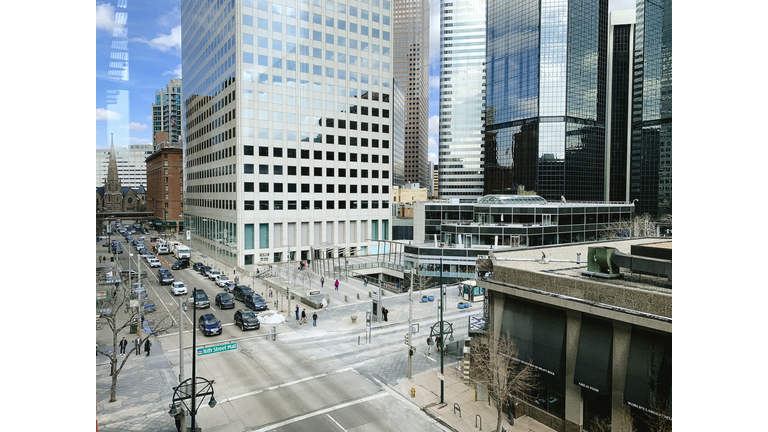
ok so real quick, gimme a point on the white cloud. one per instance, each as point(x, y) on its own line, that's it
point(134, 140)
point(164, 43)
point(105, 114)
point(433, 158)
point(105, 17)
point(170, 19)
point(176, 73)
point(434, 83)
point(134, 126)
point(434, 125)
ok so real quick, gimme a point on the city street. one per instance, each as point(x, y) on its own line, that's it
point(324, 378)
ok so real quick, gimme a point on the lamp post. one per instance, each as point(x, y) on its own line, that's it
point(410, 323)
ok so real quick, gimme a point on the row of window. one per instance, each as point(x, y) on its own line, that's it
point(318, 188)
point(290, 30)
point(342, 172)
point(316, 205)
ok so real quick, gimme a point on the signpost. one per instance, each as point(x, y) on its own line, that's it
point(217, 349)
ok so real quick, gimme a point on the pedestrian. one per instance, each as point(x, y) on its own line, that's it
point(385, 312)
point(322, 281)
point(365, 281)
point(270, 291)
point(459, 290)
point(138, 345)
point(297, 312)
point(147, 345)
point(123, 344)
point(303, 317)
point(314, 319)
point(337, 284)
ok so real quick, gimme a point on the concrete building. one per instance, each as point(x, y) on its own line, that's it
point(166, 113)
point(288, 127)
point(131, 164)
point(597, 329)
point(165, 187)
point(411, 71)
point(409, 195)
point(462, 99)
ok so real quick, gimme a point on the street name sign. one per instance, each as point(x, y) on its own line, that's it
point(217, 349)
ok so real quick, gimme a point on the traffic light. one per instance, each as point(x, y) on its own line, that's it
point(410, 351)
point(406, 339)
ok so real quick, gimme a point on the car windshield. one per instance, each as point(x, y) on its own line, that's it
point(246, 291)
point(201, 295)
point(210, 320)
point(257, 298)
point(179, 285)
point(249, 316)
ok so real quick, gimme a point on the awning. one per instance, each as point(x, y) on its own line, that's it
point(593, 359)
point(649, 371)
point(539, 333)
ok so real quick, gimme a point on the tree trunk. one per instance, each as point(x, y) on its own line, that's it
point(499, 416)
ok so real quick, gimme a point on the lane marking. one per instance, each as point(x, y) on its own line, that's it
point(337, 423)
point(310, 378)
point(322, 411)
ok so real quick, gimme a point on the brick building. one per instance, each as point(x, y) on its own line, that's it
point(165, 186)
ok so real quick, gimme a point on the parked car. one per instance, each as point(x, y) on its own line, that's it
point(209, 325)
point(154, 262)
point(165, 276)
point(197, 266)
point(180, 264)
point(221, 280)
point(229, 286)
point(201, 299)
point(204, 270)
point(178, 288)
point(213, 273)
point(241, 291)
point(246, 320)
point(255, 302)
point(224, 301)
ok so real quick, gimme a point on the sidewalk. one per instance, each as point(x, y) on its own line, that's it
point(463, 416)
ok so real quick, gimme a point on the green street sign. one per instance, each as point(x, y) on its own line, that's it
point(217, 349)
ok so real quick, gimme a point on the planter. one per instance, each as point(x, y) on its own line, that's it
point(424, 300)
point(463, 305)
point(431, 298)
point(354, 318)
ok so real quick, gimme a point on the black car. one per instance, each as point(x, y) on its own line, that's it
point(165, 276)
point(203, 269)
point(255, 302)
point(209, 325)
point(224, 301)
point(246, 320)
point(201, 299)
point(180, 264)
point(196, 266)
point(241, 291)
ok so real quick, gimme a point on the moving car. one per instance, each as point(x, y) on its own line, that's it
point(204, 270)
point(246, 319)
point(209, 325)
point(221, 280)
point(241, 291)
point(201, 299)
point(178, 288)
point(255, 302)
point(197, 266)
point(154, 262)
point(165, 276)
point(180, 264)
point(224, 301)
point(229, 286)
point(212, 274)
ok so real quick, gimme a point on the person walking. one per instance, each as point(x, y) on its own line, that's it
point(147, 345)
point(337, 284)
point(123, 344)
point(322, 281)
point(270, 291)
point(138, 345)
point(297, 313)
point(314, 319)
point(303, 317)
point(385, 312)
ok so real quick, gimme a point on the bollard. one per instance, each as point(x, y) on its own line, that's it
point(346, 298)
point(413, 391)
point(274, 333)
point(358, 296)
point(370, 294)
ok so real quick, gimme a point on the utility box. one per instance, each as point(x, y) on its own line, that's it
point(599, 261)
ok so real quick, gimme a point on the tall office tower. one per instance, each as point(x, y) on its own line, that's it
point(435, 181)
point(287, 127)
point(462, 99)
point(411, 59)
point(166, 112)
point(131, 164)
point(398, 135)
point(545, 98)
point(618, 134)
point(651, 166)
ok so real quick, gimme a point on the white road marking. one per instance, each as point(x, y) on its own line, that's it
point(286, 384)
point(322, 411)
point(337, 423)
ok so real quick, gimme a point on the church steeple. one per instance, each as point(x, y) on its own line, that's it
point(113, 195)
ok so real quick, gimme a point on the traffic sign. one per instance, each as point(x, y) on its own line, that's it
point(217, 349)
point(441, 376)
point(101, 295)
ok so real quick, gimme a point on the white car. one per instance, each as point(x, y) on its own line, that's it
point(178, 288)
point(213, 273)
point(154, 262)
point(221, 280)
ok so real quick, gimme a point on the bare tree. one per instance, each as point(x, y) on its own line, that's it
point(494, 364)
point(642, 226)
point(117, 312)
point(422, 282)
point(658, 418)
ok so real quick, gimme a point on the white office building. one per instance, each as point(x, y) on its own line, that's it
point(462, 100)
point(131, 164)
point(288, 127)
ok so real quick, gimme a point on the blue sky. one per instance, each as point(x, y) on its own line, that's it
point(153, 31)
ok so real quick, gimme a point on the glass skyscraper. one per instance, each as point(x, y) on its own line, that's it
point(546, 64)
point(462, 99)
point(651, 160)
point(288, 124)
point(166, 111)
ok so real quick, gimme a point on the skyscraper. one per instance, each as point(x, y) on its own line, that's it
point(462, 99)
point(545, 100)
point(411, 71)
point(651, 160)
point(166, 112)
point(288, 127)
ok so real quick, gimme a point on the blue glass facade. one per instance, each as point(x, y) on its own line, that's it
point(545, 114)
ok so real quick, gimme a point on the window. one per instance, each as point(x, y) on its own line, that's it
point(247, 169)
point(263, 169)
point(277, 205)
point(318, 188)
point(263, 205)
point(248, 187)
point(263, 151)
point(318, 172)
point(248, 150)
point(248, 205)
point(263, 187)
point(291, 205)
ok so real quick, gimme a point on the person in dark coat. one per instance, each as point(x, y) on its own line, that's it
point(123, 344)
point(303, 316)
point(147, 345)
point(314, 319)
point(138, 345)
point(385, 312)
point(297, 313)
point(322, 281)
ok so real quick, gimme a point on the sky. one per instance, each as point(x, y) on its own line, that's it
point(124, 99)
